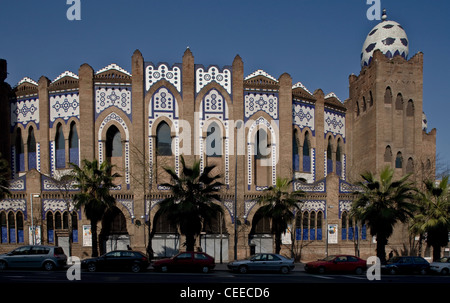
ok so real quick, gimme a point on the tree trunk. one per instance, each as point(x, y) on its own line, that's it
point(436, 253)
point(277, 242)
point(94, 238)
point(381, 252)
point(190, 242)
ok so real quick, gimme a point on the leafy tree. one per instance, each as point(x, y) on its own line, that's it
point(191, 204)
point(94, 181)
point(278, 204)
point(433, 217)
point(383, 202)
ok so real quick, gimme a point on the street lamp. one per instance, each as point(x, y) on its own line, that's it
point(33, 228)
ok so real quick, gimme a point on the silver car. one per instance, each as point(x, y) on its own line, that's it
point(442, 266)
point(263, 262)
point(34, 256)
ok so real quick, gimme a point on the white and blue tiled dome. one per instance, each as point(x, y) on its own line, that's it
point(389, 37)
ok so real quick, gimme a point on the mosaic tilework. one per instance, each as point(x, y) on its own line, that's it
point(14, 205)
point(24, 111)
point(334, 122)
point(120, 97)
point(64, 106)
point(254, 102)
point(204, 76)
point(154, 74)
point(303, 115)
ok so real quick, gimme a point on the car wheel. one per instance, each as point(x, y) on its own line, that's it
point(135, 268)
point(284, 269)
point(243, 269)
point(3, 265)
point(49, 266)
point(444, 271)
point(359, 271)
point(91, 267)
point(321, 270)
point(164, 268)
point(205, 269)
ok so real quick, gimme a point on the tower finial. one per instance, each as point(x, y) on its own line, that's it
point(384, 16)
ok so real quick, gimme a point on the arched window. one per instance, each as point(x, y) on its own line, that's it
point(312, 225)
point(74, 227)
point(60, 147)
point(213, 141)
point(4, 227)
point(410, 108)
point(113, 142)
point(329, 156)
point(163, 140)
point(262, 149)
point(305, 222)
point(344, 225)
point(58, 220)
point(357, 108)
point(19, 225)
point(364, 105)
point(370, 98)
point(306, 153)
point(388, 154)
point(339, 157)
point(31, 147)
point(50, 228)
point(399, 102)
point(20, 163)
point(388, 96)
point(319, 223)
point(12, 227)
point(399, 160)
point(410, 166)
point(65, 220)
point(73, 144)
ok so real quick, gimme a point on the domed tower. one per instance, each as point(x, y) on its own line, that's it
point(384, 109)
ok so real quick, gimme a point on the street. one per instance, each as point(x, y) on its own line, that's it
point(219, 285)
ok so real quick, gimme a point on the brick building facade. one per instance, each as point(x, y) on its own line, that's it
point(252, 127)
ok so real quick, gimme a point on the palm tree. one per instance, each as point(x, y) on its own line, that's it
point(279, 203)
point(433, 218)
point(94, 182)
point(382, 202)
point(191, 204)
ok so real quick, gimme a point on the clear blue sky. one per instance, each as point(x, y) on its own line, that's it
point(318, 42)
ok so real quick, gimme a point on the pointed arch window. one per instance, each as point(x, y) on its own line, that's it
point(19, 149)
point(329, 156)
point(388, 96)
point(73, 144)
point(31, 147)
point(306, 153)
point(399, 102)
point(19, 226)
point(410, 108)
point(50, 228)
point(60, 147)
point(213, 141)
point(388, 154)
point(113, 142)
point(339, 157)
point(4, 227)
point(11, 227)
point(399, 160)
point(163, 140)
point(410, 166)
point(262, 150)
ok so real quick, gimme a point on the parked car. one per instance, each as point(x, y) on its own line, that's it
point(117, 260)
point(186, 261)
point(34, 256)
point(263, 262)
point(406, 264)
point(441, 267)
point(337, 263)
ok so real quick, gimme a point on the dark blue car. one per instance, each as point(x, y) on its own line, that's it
point(406, 264)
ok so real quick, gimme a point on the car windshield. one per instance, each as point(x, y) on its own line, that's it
point(445, 260)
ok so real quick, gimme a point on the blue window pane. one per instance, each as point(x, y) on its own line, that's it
point(12, 235)
point(296, 162)
point(4, 234)
point(305, 234)
point(75, 236)
point(74, 156)
point(344, 233)
point(60, 158)
point(319, 234)
point(312, 234)
point(307, 163)
point(31, 160)
point(339, 168)
point(50, 236)
point(298, 234)
point(329, 166)
point(20, 238)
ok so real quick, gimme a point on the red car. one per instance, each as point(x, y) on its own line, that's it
point(337, 263)
point(186, 261)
